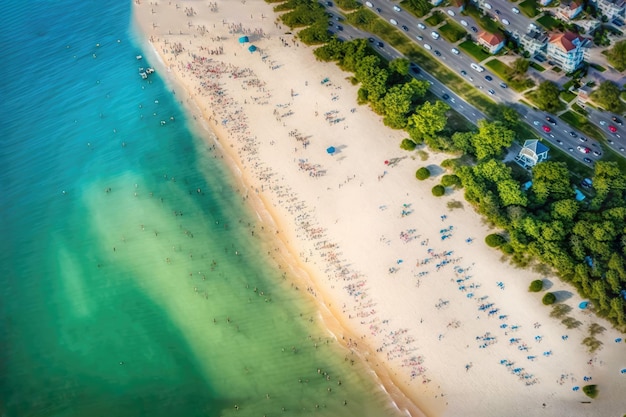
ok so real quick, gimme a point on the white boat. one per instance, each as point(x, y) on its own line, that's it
point(138, 57)
point(143, 75)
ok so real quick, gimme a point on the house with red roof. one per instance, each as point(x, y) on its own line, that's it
point(569, 9)
point(568, 50)
point(492, 41)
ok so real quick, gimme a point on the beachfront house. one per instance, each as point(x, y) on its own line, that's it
point(568, 50)
point(569, 9)
point(610, 8)
point(532, 153)
point(544, 3)
point(493, 42)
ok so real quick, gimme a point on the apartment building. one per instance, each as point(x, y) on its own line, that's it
point(569, 9)
point(568, 50)
point(610, 8)
point(533, 42)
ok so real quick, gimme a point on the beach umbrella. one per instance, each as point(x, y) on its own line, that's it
point(331, 150)
point(583, 305)
point(244, 39)
point(252, 48)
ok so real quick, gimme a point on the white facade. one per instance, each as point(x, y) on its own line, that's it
point(567, 50)
point(610, 8)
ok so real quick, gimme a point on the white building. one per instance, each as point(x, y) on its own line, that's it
point(569, 9)
point(568, 50)
point(610, 8)
point(532, 153)
point(533, 42)
point(492, 41)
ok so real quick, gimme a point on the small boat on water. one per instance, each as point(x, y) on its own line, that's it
point(139, 57)
point(149, 70)
point(143, 75)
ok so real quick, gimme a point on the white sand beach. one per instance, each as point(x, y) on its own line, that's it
point(448, 326)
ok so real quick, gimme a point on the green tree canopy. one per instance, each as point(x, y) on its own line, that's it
point(519, 68)
point(429, 119)
point(617, 55)
point(607, 96)
point(551, 180)
point(547, 96)
point(491, 138)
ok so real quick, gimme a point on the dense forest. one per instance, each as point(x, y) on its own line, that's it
point(584, 242)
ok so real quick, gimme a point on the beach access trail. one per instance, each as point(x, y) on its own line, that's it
point(449, 328)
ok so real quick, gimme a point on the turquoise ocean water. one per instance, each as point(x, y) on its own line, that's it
point(130, 284)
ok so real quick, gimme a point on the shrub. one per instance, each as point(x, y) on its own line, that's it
point(536, 286)
point(455, 204)
point(422, 174)
point(495, 240)
point(438, 190)
point(450, 180)
point(591, 391)
point(407, 145)
point(548, 299)
point(507, 248)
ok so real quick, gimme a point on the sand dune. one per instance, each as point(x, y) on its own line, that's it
point(450, 328)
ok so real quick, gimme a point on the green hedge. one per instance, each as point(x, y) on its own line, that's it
point(536, 286)
point(422, 174)
point(548, 299)
point(495, 240)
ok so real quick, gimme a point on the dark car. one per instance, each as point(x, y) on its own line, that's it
point(339, 27)
point(572, 134)
point(497, 12)
point(474, 29)
point(413, 67)
point(550, 120)
point(379, 10)
point(582, 139)
point(488, 77)
point(587, 160)
point(405, 28)
point(616, 120)
point(371, 40)
point(503, 85)
point(329, 3)
point(596, 153)
point(380, 44)
point(463, 73)
point(445, 96)
point(559, 141)
point(437, 53)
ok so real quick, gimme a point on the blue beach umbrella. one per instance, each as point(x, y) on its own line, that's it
point(244, 39)
point(331, 150)
point(252, 48)
point(583, 305)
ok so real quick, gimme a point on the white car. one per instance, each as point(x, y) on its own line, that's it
point(488, 6)
point(369, 4)
point(536, 122)
point(393, 22)
point(476, 67)
point(451, 13)
point(427, 46)
point(455, 51)
point(515, 10)
point(421, 26)
point(506, 22)
point(464, 23)
point(397, 9)
point(434, 35)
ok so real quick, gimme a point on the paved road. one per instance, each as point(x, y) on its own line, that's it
point(617, 139)
point(558, 136)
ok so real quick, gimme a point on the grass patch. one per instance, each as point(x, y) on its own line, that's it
point(556, 69)
point(548, 22)
point(537, 67)
point(452, 31)
point(576, 107)
point(567, 96)
point(436, 18)
point(529, 8)
point(531, 96)
point(474, 50)
point(504, 70)
point(581, 123)
point(597, 67)
point(483, 21)
point(408, 6)
point(622, 95)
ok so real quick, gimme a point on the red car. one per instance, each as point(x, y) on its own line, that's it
point(612, 128)
point(546, 128)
